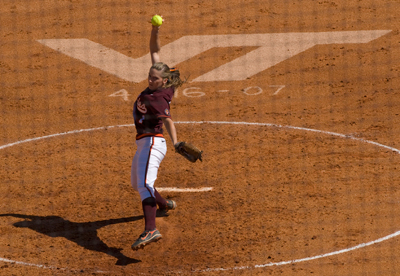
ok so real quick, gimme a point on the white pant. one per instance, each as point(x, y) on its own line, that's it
point(149, 154)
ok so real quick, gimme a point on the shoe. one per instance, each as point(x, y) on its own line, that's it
point(145, 238)
point(171, 205)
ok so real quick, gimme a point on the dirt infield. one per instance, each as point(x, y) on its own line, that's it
point(299, 130)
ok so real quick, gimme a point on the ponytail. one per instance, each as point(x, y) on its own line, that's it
point(172, 74)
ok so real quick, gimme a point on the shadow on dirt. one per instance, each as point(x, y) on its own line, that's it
point(84, 234)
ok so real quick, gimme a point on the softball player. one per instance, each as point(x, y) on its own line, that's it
point(151, 112)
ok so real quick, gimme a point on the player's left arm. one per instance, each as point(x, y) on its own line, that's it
point(155, 45)
point(170, 126)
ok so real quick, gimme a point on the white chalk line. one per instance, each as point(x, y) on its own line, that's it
point(59, 134)
point(185, 190)
point(362, 245)
point(48, 267)
point(27, 264)
point(359, 246)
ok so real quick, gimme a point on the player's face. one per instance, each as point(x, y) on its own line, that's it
point(155, 80)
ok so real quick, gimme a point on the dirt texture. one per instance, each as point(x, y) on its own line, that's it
point(302, 158)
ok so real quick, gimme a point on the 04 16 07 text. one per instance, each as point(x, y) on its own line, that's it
point(196, 92)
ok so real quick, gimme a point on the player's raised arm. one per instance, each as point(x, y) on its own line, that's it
point(155, 41)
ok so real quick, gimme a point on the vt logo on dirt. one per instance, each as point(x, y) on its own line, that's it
point(272, 49)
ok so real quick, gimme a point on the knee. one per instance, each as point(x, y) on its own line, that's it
point(149, 201)
point(144, 193)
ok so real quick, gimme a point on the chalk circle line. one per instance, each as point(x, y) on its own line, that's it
point(270, 264)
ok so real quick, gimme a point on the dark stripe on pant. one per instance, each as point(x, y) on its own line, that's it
point(147, 166)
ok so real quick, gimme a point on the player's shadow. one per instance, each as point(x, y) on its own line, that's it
point(84, 234)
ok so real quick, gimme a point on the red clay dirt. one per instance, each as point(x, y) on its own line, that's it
point(312, 188)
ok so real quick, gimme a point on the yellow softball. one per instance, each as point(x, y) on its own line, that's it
point(156, 20)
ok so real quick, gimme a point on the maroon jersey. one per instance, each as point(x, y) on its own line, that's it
point(149, 108)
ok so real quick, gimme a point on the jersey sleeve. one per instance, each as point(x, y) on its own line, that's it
point(161, 107)
point(164, 112)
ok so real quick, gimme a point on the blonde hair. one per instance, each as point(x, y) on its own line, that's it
point(171, 74)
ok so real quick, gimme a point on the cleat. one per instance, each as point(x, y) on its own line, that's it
point(171, 205)
point(145, 238)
